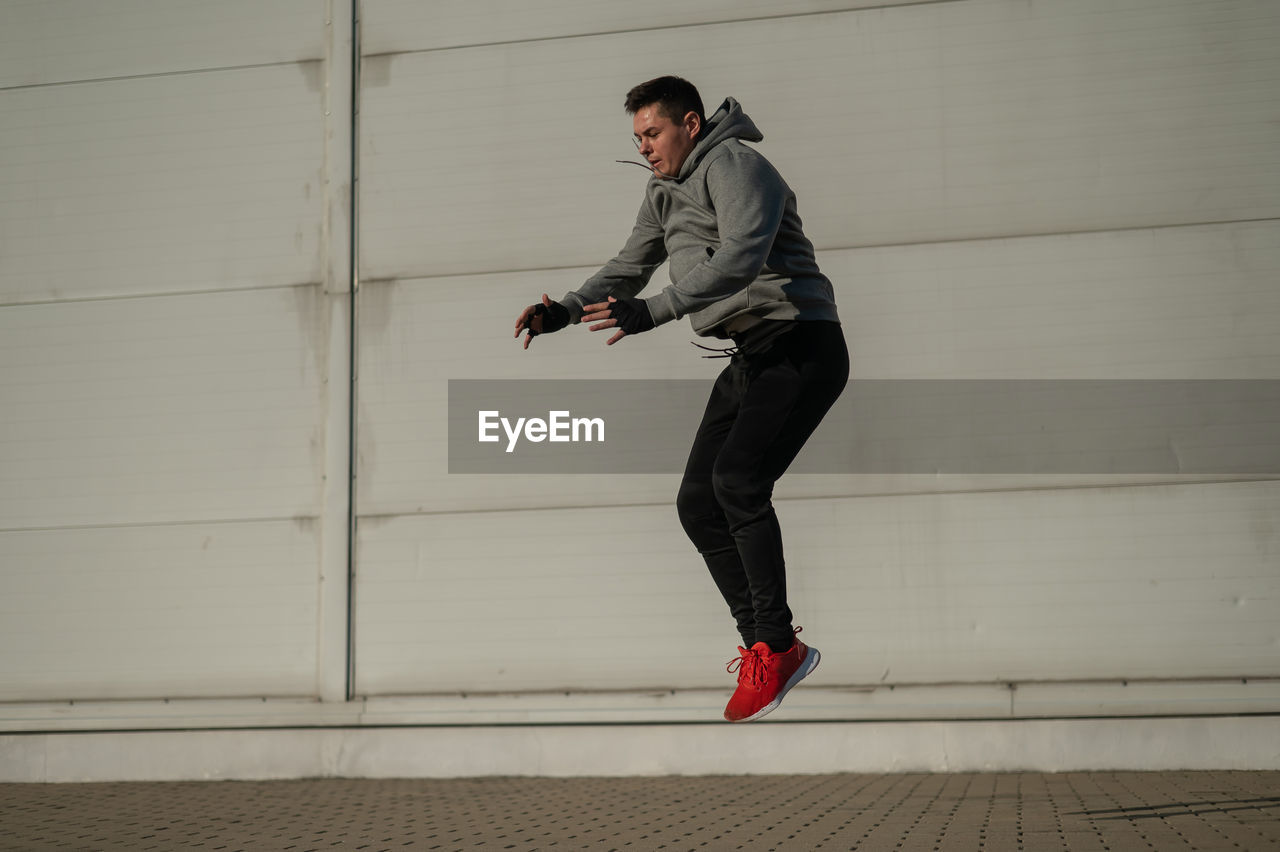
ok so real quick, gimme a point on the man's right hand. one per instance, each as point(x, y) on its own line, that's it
point(542, 318)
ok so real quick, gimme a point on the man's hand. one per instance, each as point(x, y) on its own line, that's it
point(629, 316)
point(542, 318)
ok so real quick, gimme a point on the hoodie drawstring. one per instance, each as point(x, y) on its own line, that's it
point(727, 352)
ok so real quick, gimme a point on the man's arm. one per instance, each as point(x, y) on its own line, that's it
point(750, 198)
point(629, 272)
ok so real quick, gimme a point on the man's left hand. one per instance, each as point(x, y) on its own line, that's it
point(629, 316)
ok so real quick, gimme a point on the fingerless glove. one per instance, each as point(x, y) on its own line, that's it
point(554, 318)
point(632, 314)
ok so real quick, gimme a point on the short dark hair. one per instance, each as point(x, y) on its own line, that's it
point(676, 97)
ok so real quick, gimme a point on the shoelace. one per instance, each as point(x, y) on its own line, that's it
point(750, 668)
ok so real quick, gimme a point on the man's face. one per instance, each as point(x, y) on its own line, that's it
point(664, 143)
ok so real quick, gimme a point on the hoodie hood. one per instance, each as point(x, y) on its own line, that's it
point(728, 122)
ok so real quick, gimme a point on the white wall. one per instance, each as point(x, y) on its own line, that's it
point(172, 350)
point(998, 189)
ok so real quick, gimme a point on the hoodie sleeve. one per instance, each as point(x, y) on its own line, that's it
point(750, 199)
point(629, 272)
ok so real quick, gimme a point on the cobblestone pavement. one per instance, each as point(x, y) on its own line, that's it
point(1033, 811)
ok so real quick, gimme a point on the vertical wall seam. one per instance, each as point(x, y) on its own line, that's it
point(353, 355)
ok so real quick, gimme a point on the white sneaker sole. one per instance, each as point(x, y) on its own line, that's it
point(810, 663)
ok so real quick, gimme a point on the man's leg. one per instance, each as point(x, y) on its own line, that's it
point(700, 513)
point(789, 388)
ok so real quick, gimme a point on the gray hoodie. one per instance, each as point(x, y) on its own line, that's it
point(728, 222)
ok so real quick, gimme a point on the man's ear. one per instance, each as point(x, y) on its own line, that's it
point(692, 124)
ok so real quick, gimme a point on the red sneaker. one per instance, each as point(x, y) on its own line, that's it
point(764, 678)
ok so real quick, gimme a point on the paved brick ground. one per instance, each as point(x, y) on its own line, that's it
point(1069, 811)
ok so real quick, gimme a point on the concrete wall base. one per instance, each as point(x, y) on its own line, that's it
point(1045, 745)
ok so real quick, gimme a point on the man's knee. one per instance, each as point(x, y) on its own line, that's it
point(695, 502)
point(702, 518)
point(740, 492)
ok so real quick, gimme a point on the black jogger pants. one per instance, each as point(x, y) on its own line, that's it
point(763, 407)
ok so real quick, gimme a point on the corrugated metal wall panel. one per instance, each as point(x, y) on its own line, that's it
point(185, 610)
point(162, 184)
point(1194, 302)
point(1160, 581)
point(922, 123)
point(56, 41)
point(1164, 581)
point(395, 26)
point(533, 600)
point(160, 409)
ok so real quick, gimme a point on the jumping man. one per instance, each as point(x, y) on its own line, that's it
point(741, 269)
